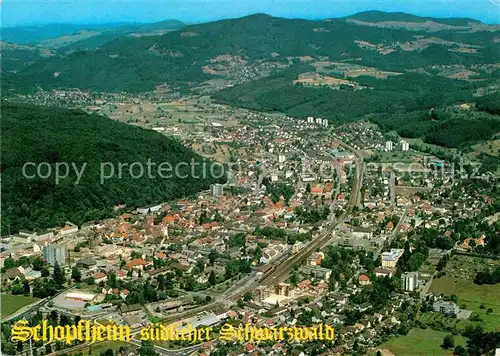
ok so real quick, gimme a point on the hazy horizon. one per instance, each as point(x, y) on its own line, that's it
point(43, 12)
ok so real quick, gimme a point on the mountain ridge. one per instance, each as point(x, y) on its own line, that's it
point(380, 16)
point(44, 35)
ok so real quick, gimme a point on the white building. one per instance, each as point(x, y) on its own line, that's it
point(388, 146)
point(281, 158)
point(319, 120)
point(444, 307)
point(54, 254)
point(6, 244)
point(86, 297)
point(405, 146)
point(149, 209)
point(310, 120)
point(217, 189)
point(21, 239)
point(325, 122)
point(409, 281)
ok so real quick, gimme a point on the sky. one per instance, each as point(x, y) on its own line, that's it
point(34, 12)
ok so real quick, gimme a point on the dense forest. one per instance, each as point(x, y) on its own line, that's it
point(448, 127)
point(408, 92)
point(37, 134)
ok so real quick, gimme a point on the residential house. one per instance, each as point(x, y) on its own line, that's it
point(364, 280)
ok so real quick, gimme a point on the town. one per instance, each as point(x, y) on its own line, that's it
point(316, 224)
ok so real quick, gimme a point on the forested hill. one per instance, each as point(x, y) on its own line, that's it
point(380, 16)
point(197, 53)
point(37, 134)
point(60, 35)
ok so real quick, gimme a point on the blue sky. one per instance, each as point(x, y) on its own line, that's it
point(29, 12)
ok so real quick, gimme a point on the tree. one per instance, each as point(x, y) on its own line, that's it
point(460, 351)
point(212, 256)
point(332, 283)
point(212, 278)
point(38, 264)
point(20, 346)
point(58, 275)
point(189, 283)
point(257, 254)
point(112, 282)
point(9, 263)
point(294, 279)
point(17, 288)
point(27, 288)
point(108, 352)
point(448, 342)
point(75, 274)
point(90, 280)
point(147, 349)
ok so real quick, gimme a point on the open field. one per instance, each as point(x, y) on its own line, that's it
point(490, 147)
point(431, 147)
point(12, 303)
point(466, 290)
point(188, 111)
point(466, 267)
point(318, 79)
point(221, 152)
point(398, 156)
point(458, 281)
point(490, 321)
point(420, 342)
